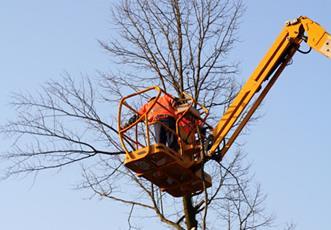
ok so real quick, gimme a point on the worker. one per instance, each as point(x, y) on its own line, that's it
point(189, 122)
point(189, 127)
point(163, 117)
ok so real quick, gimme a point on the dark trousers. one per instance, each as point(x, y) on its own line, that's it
point(163, 135)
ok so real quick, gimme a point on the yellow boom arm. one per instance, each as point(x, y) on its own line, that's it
point(264, 76)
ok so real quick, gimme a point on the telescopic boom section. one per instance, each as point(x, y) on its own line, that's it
point(264, 76)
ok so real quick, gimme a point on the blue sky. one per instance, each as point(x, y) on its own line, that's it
point(288, 148)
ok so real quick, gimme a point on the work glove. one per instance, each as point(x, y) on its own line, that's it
point(126, 124)
point(203, 131)
point(131, 120)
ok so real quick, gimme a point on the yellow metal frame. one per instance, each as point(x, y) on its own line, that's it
point(268, 71)
point(122, 131)
point(171, 171)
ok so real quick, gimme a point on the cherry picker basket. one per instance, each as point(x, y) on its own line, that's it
point(174, 171)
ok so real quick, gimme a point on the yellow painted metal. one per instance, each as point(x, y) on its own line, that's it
point(317, 37)
point(167, 169)
point(175, 172)
point(268, 70)
point(121, 130)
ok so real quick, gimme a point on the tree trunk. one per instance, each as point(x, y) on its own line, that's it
point(190, 221)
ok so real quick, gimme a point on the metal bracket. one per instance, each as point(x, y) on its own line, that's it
point(326, 48)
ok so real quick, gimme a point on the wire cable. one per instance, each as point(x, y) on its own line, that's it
point(304, 51)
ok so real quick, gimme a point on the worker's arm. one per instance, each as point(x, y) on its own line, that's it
point(264, 76)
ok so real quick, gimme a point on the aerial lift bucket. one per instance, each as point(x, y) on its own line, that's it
point(168, 169)
point(164, 168)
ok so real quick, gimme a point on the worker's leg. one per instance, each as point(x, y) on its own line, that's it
point(171, 136)
point(160, 134)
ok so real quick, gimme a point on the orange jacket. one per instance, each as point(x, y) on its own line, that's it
point(189, 124)
point(188, 127)
point(164, 106)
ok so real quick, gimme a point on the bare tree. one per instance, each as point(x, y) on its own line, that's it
point(183, 47)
